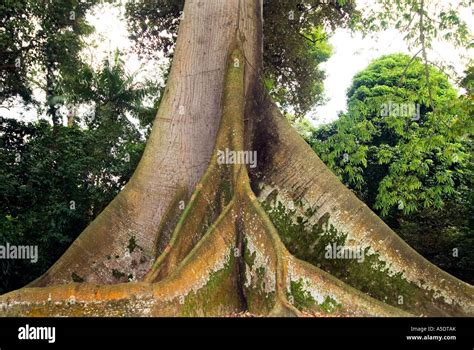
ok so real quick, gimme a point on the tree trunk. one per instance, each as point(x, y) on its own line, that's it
point(189, 235)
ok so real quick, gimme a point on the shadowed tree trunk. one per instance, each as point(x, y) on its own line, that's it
point(190, 235)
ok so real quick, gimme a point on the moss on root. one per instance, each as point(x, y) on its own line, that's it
point(76, 278)
point(308, 242)
point(300, 296)
point(213, 298)
point(258, 299)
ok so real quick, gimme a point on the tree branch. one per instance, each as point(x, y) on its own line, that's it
point(408, 66)
point(423, 50)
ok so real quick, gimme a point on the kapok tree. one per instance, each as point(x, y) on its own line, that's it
point(191, 235)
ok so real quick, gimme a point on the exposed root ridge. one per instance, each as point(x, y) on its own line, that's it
point(224, 255)
point(312, 208)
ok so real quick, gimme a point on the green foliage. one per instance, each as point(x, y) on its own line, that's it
point(115, 95)
point(53, 183)
point(422, 22)
point(296, 82)
point(445, 237)
point(303, 126)
point(295, 44)
point(40, 42)
point(419, 20)
point(392, 146)
point(154, 25)
point(467, 82)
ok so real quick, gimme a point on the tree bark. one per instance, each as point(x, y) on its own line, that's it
point(294, 177)
point(238, 242)
point(177, 153)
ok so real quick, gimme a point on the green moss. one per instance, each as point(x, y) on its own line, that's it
point(117, 274)
point(222, 197)
point(215, 200)
point(304, 301)
point(132, 244)
point(309, 241)
point(329, 305)
point(260, 272)
point(258, 300)
point(249, 258)
point(76, 278)
point(211, 297)
point(301, 298)
point(225, 190)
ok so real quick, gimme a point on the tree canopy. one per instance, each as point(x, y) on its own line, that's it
point(393, 142)
point(295, 43)
point(40, 45)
